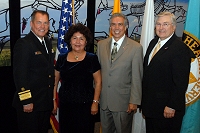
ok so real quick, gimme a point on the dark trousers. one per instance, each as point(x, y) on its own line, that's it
point(34, 122)
point(165, 125)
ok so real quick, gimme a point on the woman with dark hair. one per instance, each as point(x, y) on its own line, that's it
point(81, 83)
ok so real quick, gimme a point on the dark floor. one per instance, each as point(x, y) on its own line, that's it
point(8, 117)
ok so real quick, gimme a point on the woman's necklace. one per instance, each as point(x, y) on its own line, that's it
point(76, 57)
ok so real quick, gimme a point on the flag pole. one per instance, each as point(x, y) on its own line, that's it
point(73, 13)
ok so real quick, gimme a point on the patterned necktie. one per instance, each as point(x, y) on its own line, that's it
point(156, 50)
point(114, 51)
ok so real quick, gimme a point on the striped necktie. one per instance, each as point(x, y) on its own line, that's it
point(114, 51)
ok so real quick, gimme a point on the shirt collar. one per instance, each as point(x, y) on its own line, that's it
point(162, 42)
point(119, 42)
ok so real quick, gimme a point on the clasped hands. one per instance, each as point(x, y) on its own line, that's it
point(168, 112)
point(28, 108)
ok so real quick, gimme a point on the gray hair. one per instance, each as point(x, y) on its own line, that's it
point(38, 11)
point(166, 13)
point(119, 15)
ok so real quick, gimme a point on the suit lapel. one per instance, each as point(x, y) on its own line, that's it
point(162, 50)
point(108, 49)
point(149, 49)
point(48, 47)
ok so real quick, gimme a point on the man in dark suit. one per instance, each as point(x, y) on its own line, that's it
point(165, 78)
point(34, 76)
point(121, 77)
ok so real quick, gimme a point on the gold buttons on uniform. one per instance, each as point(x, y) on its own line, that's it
point(22, 89)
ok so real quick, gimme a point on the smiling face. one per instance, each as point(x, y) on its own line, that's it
point(117, 27)
point(78, 42)
point(164, 27)
point(40, 25)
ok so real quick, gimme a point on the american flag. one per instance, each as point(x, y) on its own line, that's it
point(65, 22)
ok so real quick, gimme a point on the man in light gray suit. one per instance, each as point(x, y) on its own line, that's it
point(122, 71)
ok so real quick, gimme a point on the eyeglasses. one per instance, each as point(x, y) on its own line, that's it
point(164, 25)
